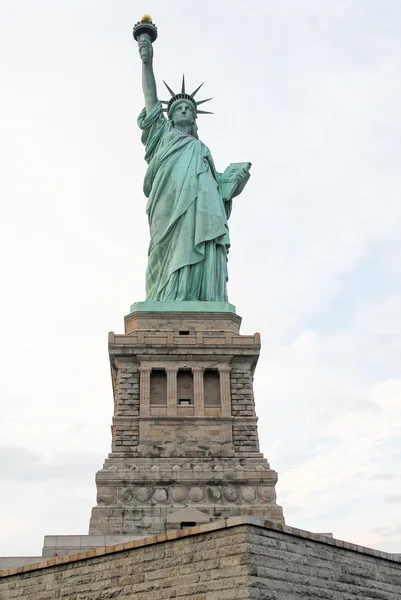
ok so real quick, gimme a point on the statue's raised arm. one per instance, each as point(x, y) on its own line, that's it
point(148, 77)
point(145, 33)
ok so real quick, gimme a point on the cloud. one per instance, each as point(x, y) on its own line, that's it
point(24, 465)
point(385, 476)
point(329, 436)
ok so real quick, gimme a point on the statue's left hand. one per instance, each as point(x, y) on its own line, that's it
point(243, 174)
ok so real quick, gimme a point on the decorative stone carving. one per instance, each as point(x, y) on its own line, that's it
point(155, 468)
point(143, 494)
point(113, 468)
point(134, 468)
point(248, 493)
point(225, 390)
point(176, 468)
point(196, 494)
point(106, 496)
point(230, 493)
point(266, 494)
point(260, 468)
point(179, 494)
point(239, 468)
point(125, 495)
point(199, 399)
point(218, 468)
point(144, 393)
point(197, 468)
point(171, 390)
point(160, 494)
point(213, 494)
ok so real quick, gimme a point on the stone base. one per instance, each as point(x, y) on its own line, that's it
point(146, 496)
point(179, 323)
point(183, 306)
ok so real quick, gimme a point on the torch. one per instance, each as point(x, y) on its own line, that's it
point(145, 27)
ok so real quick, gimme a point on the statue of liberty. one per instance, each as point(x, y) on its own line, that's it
point(189, 202)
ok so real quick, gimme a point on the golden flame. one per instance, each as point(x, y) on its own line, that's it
point(146, 19)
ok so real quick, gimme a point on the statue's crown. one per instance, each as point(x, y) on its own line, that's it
point(183, 95)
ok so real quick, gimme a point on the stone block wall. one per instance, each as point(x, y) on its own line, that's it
point(245, 431)
point(242, 400)
point(192, 567)
point(297, 566)
point(125, 437)
point(243, 558)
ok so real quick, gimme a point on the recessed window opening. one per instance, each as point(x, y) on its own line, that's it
point(185, 524)
point(184, 401)
point(211, 386)
point(183, 333)
point(158, 387)
point(185, 387)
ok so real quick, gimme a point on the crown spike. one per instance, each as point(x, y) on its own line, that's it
point(183, 95)
point(197, 90)
point(169, 89)
point(202, 101)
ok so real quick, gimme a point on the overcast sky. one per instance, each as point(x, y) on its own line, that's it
point(309, 91)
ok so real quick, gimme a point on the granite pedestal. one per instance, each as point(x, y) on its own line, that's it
point(185, 445)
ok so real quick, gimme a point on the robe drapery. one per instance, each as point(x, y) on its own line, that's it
point(189, 240)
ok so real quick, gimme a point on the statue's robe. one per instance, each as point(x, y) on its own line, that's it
point(189, 238)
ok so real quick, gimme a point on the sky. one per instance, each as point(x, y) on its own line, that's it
point(310, 93)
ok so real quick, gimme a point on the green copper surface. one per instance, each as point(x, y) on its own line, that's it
point(183, 306)
point(189, 202)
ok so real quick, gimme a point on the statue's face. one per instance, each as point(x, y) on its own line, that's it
point(183, 114)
